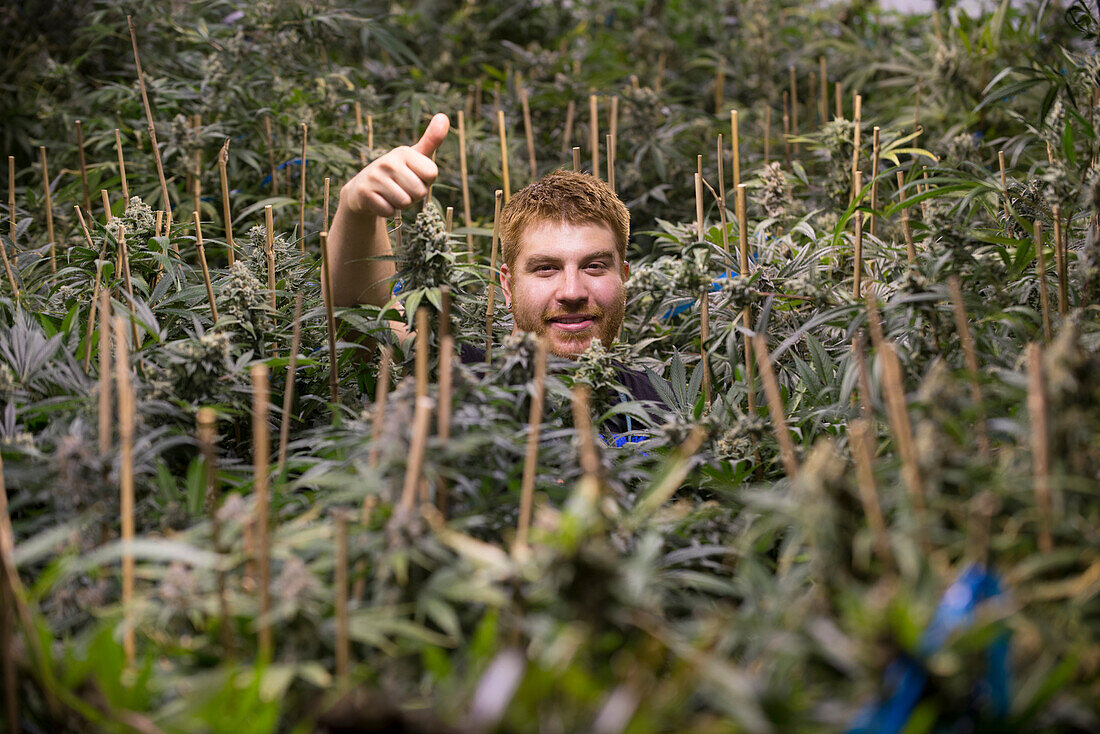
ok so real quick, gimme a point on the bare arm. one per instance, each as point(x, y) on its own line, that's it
point(358, 233)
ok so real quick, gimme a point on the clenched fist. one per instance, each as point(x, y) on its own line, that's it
point(398, 178)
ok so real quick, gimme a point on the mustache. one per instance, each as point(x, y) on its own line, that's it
point(595, 312)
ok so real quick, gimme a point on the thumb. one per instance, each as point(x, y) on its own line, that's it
point(433, 136)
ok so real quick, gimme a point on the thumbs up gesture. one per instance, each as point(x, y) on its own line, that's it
point(398, 178)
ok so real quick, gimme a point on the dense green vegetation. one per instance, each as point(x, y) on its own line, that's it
point(702, 580)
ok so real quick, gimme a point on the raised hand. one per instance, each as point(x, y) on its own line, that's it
point(398, 178)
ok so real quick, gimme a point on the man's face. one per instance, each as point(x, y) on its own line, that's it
point(568, 283)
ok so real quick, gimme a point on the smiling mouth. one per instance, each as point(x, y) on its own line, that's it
point(573, 322)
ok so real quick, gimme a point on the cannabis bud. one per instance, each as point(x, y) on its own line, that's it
point(425, 258)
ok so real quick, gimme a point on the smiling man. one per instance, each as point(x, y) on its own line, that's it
point(563, 239)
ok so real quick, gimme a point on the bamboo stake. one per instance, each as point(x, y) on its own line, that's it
point(449, 219)
point(823, 100)
point(775, 407)
point(794, 103)
point(863, 377)
point(302, 192)
point(916, 109)
point(567, 130)
point(340, 581)
point(269, 225)
point(422, 347)
point(810, 108)
point(324, 208)
point(530, 461)
point(613, 122)
point(864, 454)
point(492, 277)
point(719, 87)
point(1041, 273)
point(359, 131)
point(735, 144)
point(418, 445)
point(506, 182)
point(594, 133)
point(962, 325)
point(11, 228)
point(1060, 263)
point(704, 298)
point(576, 159)
point(529, 132)
point(857, 264)
point(722, 197)
point(124, 258)
point(875, 151)
point(271, 156)
point(874, 322)
point(106, 414)
point(659, 81)
point(898, 414)
point(126, 485)
point(467, 217)
point(95, 290)
point(787, 129)
point(227, 217)
point(288, 391)
point(378, 413)
point(741, 206)
point(156, 225)
point(108, 215)
point(370, 132)
point(207, 436)
point(330, 323)
point(443, 416)
point(205, 270)
point(1040, 447)
point(910, 248)
point(838, 94)
point(197, 173)
point(611, 161)
point(260, 455)
point(49, 209)
point(152, 127)
point(83, 166)
point(856, 118)
point(587, 452)
point(1004, 181)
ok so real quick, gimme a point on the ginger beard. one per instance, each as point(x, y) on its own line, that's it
point(568, 283)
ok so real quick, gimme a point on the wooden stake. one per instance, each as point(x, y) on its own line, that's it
point(787, 129)
point(611, 161)
point(302, 192)
point(741, 206)
point(613, 122)
point(1060, 263)
point(1004, 181)
point(106, 413)
point(704, 297)
point(422, 348)
point(722, 196)
point(863, 376)
point(775, 407)
point(502, 133)
point(567, 131)
point(811, 110)
point(288, 391)
point(767, 134)
point(324, 209)
point(910, 248)
point(370, 132)
point(916, 109)
point(594, 132)
point(197, 173)
point(587, 452)
point(736, 146)
point(875, 151)
point(11, 228)
point(207, 436)
point(529, 132)
point(83, 166)
point(492, 278)
point(719, 87)
point(330, 322)
point(260, 455)
point(417, 448)
point(1040, 447)
point(359, 131)
point(205, 270)
point(126, 484)
point(530, 461)
point(857, 264)
point(823, 100)
point(467, 217)
point(856, 130)
point(152, 127)
point(95, 289)
point(898, 414)
point(863, 453)
point(124, 258)
point(271, 156)
point(576, 159)
point(269, 225)
point(794, 103)
point(449, 219)
point(378, 414)
point(443, 415)
point(49, 209)
point(1041, 274)
point(962, 325)
point(108, 215)
point(227, 217)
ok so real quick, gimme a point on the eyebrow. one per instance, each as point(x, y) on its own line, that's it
point(536, 261)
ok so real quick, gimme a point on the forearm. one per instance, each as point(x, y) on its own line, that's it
point(355, 242)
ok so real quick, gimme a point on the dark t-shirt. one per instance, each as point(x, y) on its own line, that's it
point(637, 384)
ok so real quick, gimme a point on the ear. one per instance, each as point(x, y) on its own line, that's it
point(626, 271)
point(506, 284)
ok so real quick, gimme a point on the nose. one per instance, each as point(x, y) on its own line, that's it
point(571, 288)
